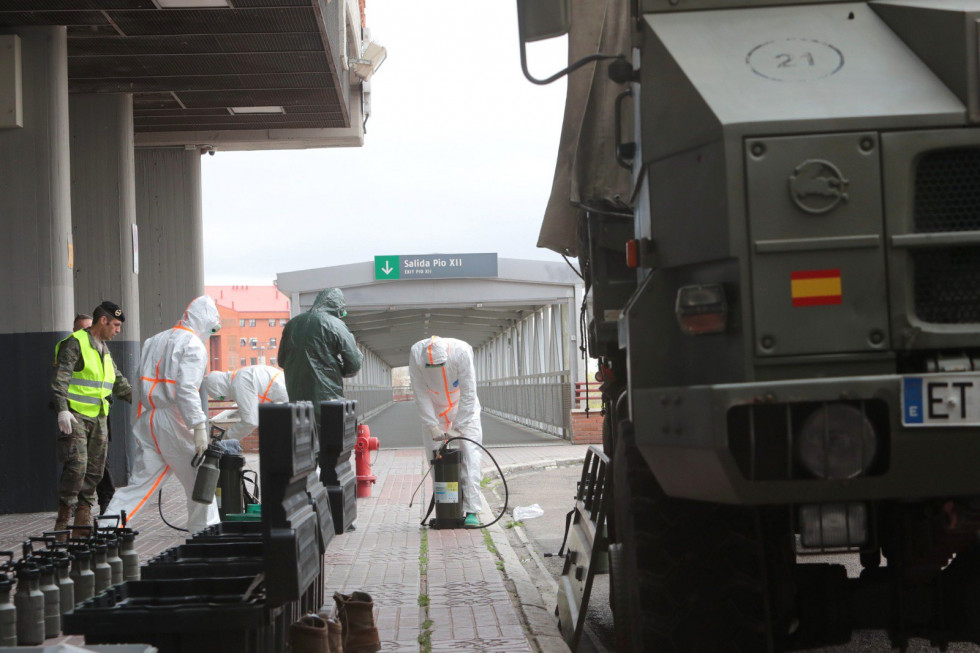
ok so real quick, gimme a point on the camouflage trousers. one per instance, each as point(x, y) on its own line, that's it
point(82, 455)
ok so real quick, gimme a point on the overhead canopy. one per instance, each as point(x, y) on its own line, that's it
point(196, 74)
point(388, 317)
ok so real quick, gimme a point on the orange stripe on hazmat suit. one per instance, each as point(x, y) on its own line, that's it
point(172, 368)
point(444, 382)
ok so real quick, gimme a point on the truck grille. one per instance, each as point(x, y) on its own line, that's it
point(946, 280)
point(761, 438)
point(947, 285)
point(947, 191)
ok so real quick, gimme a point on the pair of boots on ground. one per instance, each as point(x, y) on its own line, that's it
point(353, 631)
point(83, 517)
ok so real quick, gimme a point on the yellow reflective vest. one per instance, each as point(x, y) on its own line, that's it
point(89, 390)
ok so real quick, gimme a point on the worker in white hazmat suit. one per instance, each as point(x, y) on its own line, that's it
point(444, 383)
point(248, 387)
point(171, 426)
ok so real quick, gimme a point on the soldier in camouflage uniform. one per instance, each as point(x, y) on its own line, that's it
point(84, 378)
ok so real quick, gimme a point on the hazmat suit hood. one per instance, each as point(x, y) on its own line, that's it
point(218, 385)
point(436, 351)
point(318, 351)
point(201, 316)
point(332, 301)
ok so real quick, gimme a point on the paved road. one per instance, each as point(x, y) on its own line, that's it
point(398, 426)
point(553, 489)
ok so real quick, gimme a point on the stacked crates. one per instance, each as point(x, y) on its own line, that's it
point(234, 587)
point(338, 435)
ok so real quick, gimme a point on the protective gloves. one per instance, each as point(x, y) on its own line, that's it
point(200, 439)
point(436, 433)
point(65, 421)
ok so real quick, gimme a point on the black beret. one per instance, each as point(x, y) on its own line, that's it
point(113, 310)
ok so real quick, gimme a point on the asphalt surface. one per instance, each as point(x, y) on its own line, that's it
point(553, 489)
point(399, 426)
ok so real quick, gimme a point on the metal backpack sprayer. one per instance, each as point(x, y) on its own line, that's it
point(220, 474)
point(447, 495)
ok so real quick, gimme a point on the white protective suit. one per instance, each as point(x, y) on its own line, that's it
point(248, 387)
point(172, 367)
point(444, 383)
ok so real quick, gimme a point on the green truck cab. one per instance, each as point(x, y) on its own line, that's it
point(776, 207)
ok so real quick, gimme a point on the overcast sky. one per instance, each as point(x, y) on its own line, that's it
point(459, 156)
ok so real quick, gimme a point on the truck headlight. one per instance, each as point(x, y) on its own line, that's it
point(837, 441)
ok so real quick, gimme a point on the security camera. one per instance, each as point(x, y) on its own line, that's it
point(211, 151)
point(372, 56)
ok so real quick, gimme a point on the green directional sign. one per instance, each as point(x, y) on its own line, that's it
point(435, 266)
point(387, 267)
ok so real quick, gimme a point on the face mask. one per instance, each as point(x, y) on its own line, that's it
point(343, 314)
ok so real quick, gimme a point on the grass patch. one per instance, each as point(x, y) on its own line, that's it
point(486, 481)
point(425, 637)
point(512, 524)
point(491, 547)
point(425, 630)
point(424, 552)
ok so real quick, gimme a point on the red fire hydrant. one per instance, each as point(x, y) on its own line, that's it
point(362, 459)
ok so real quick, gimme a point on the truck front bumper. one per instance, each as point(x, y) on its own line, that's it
point(687, 438)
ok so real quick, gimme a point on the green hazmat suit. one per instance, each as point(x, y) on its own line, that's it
point(318, 351)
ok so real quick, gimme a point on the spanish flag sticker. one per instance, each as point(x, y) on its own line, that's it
point(815, 287)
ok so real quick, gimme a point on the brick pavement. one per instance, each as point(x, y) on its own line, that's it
point(469, 606)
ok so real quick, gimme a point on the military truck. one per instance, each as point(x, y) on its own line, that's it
point(776, 209)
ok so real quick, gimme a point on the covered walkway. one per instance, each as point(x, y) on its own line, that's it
point(398, 426)
point(519, 316)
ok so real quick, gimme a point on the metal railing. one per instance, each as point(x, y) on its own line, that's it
point(540, 401)
point(402, 393)
point(587, 393)
point(371, 399)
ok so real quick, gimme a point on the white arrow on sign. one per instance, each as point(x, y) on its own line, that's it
point(387, 269)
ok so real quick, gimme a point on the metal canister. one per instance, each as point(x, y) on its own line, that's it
point(100, 567)
point(8, 612)
point(81, 571)
point(66, 586)
point(206, 481)
point(52, 598)
point(127, 552)
point(112, 557)
point(231, 499)
point(29, 602)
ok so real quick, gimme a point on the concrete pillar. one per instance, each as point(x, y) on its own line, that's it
point(35, 260)
point(169, 214)
point(103, 203)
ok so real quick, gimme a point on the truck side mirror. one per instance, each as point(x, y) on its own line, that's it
point(543, 19)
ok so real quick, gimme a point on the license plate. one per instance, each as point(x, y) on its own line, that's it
point(941, 400)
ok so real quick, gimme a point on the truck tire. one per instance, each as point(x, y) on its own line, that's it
point(695, 572)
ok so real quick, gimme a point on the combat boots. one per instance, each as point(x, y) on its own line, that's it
point(309, 635)
point(335, 633)
point(83, 515)
point(356, 614)
point(61, 522)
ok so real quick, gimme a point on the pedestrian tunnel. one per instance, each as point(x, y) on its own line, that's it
point(519, 316)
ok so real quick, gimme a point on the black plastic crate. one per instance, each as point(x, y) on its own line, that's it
point(206, 560)
point(343, 501)
point(332, 468)
point(338, 427)
point(229, 531)
point(286, 442)
point(319, 499)
point(186, 615)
